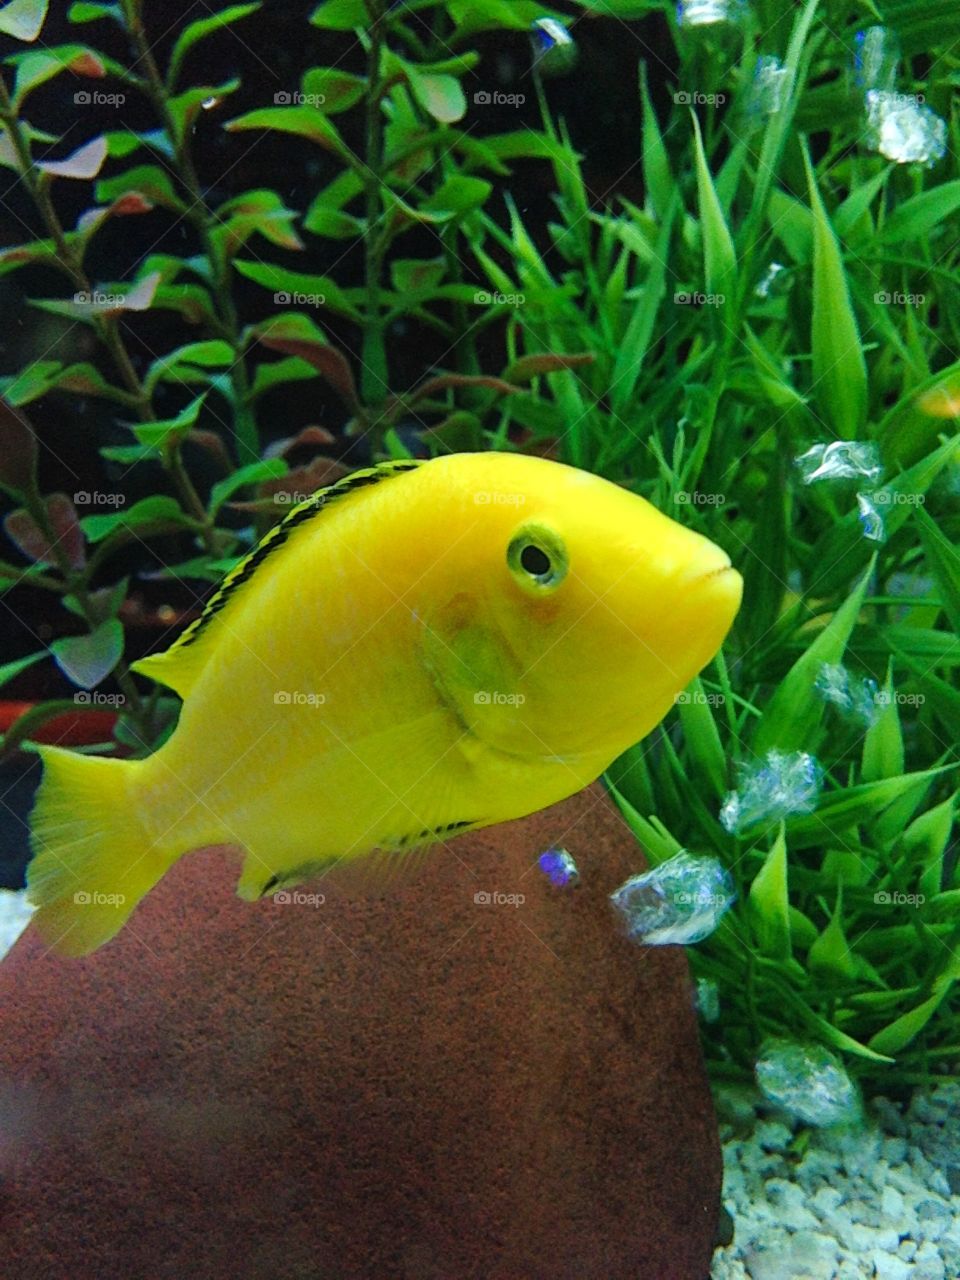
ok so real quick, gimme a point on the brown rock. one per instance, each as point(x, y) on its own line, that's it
point(412, 1085)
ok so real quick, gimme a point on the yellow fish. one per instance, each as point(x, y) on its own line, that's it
point(417, 650)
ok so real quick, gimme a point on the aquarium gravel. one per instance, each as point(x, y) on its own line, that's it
point(875, 1202)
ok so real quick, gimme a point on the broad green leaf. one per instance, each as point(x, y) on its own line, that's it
point(340, 15)
point(8, 670)
point(149, 512)
point(167, 432)
point(27, 535)
point(254, 473)
point(657, 843)
point(502, 15)
point(333, 89)
point(925, 841)
point(255, 211)
point(719, 256)
point(839, 1039)
point(82, 11)
point(919, 215)
point(883, 741)
point(839, 368)
point(701, 736)
point(36, 68)
point(793, 715)
point(944, 562)
point(842, 546)
point(838, 811)
point(293, 287)
point(147, 179)
point(780, 123)
point(304, 121)
point(457, 194)
point(831, 953)
point(185, 107)
point(212, 354)
point(849, 213)
point(86, 162)
point(278, 372)
point(411, 275)
point(441, 96)
point(657, 178)
point(907, 1027)
point(196, 31)
point(86, 660)
point(23, 19)
point(630, 356)
point(768, 904)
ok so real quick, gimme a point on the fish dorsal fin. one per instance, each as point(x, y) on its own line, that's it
point(179, 667)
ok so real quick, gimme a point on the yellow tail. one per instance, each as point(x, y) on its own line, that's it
point(93, 856)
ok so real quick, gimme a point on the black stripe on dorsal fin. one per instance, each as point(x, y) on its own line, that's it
point(278, 535)
point(180, 665)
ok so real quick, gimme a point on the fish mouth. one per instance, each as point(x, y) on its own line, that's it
point(716, 573)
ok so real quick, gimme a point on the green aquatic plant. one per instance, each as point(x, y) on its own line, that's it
point(412, 166)
point(757, 304)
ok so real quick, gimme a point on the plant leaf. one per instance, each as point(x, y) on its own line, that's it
point(85, 162)
point(196, 31)
point(839, 368)
point(793, 715)
point(86, 660)
point(768, 902)
point(159, 512)
point(304, 121)
point(23, 19)
point(266, 469)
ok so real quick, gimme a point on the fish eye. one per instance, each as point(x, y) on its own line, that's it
point(537, 558)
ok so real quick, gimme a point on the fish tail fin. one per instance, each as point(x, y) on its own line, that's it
point(94, 858)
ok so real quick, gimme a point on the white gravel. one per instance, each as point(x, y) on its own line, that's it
point(872, 1203)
